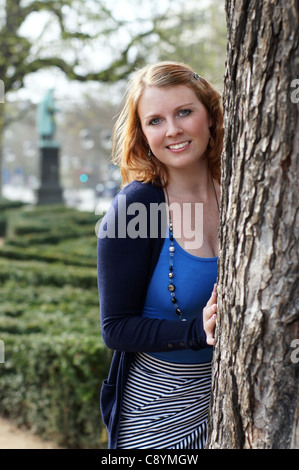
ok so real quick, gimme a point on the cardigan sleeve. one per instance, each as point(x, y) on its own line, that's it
point(125, 265)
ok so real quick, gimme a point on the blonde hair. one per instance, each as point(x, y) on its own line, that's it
point(129, 146)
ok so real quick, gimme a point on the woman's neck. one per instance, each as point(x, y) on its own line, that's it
point(190, 186)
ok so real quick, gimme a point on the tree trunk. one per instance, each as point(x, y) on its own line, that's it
point(255, 398)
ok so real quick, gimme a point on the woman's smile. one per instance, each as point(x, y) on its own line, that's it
point(179, 147)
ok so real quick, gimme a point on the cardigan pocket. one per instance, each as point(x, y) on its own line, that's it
point(107, 400)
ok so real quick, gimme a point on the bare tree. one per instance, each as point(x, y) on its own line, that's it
point(255, 399)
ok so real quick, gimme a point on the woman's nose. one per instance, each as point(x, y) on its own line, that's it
point(173, 128)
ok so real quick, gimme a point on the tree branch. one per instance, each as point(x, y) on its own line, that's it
point(54, 7)
point(110, 74)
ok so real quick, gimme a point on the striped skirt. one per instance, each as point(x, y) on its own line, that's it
point(165, 405)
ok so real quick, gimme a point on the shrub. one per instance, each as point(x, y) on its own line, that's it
point(51, 385)
point(54, 353)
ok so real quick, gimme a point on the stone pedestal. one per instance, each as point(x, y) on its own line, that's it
point(50, 191)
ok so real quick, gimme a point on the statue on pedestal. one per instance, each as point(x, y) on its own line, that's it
point(46, 120)
point(50, 191)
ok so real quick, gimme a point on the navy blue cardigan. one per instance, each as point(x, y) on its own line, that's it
point(125, 267)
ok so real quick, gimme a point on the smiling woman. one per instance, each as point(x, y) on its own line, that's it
point(130, 148)
point(156, 289)
point(175, 124)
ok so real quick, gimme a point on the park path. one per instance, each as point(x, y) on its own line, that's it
point(12, 437)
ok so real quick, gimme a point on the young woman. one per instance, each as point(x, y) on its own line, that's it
point(157, 261)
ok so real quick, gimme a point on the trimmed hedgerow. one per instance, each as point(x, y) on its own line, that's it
point(50, 383)
point(55, 358)
point(6, 204)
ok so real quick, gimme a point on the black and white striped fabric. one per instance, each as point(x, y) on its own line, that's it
point(165, 405)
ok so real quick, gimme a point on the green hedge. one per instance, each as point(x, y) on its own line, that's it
point(51, 385)
point(42, 273)
point(55, 359)
point(6, 204)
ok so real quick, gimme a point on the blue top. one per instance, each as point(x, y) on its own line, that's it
point(194, 280)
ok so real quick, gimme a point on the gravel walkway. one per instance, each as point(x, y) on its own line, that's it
point(12, 437)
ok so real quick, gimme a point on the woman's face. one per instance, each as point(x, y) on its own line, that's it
point(175, 124)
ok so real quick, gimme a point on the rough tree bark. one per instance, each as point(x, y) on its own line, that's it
point(255, 399)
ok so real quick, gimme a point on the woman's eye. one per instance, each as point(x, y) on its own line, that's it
point(184, 112)
point(154, 122)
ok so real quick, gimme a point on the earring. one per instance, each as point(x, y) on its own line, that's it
point(149, 155)
point(210, 135)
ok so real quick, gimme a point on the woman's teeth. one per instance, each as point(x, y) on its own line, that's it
point(178, 146)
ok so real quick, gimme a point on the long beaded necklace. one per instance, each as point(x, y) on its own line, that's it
point(171, 286)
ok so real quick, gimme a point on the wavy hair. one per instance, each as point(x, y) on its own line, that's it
point(129, 146)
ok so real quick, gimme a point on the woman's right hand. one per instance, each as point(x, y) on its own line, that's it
point(209, 317)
